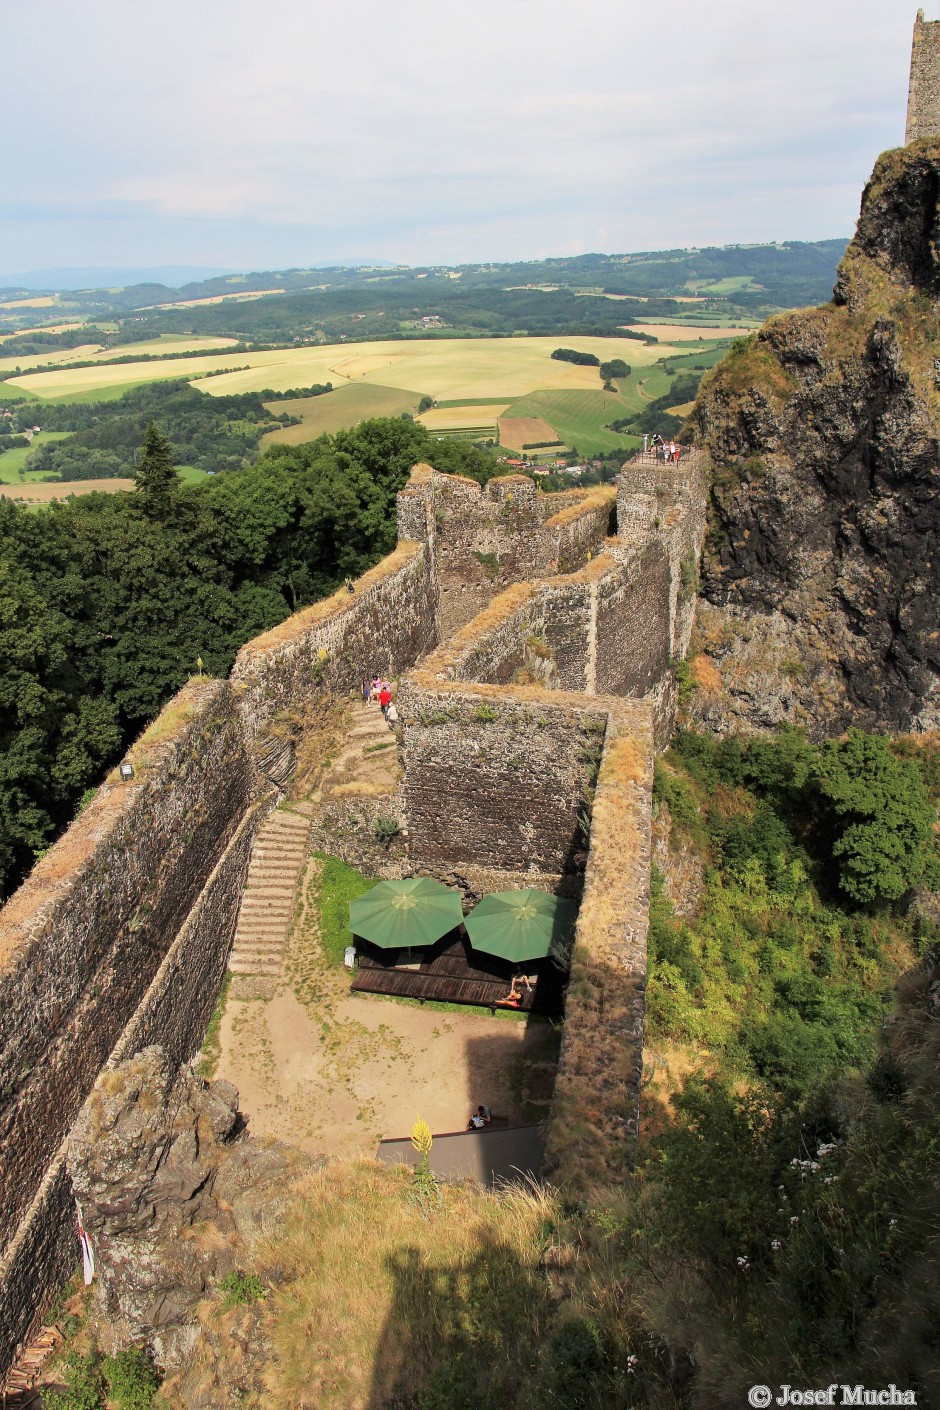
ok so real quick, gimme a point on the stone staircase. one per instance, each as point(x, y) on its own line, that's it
point(277, 860)
point(367, 759)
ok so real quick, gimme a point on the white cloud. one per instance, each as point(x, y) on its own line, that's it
point(227, 132)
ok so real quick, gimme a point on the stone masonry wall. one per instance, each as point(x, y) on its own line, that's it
point(923, 99)
point(176, 1009)
point(89, 935)
point(482, 540)
point(495, 779)
point(382, 627)
point(593, 1127)
point(661, 523)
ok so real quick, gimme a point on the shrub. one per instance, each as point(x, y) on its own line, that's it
point(241, 1289)
point(386, 830)
point(132, 1379)
point(84, 1381)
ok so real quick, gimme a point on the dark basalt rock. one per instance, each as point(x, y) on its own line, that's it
point(173, 1197)
point(824, 432)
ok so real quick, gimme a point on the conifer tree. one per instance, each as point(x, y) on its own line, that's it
point(156, 482)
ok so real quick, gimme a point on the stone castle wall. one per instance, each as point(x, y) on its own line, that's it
point(923, 99)
point(593, 1129)
point(127, 919)
point(380, 628)
point(483, 539)
point(120, 936)
point(496, 779)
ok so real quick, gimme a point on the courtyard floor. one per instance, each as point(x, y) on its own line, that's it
point(334, 1072)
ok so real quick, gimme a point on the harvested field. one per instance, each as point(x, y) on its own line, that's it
point(46, 493)
point(456, 418)
point(171, 343)
point(39, 301)
point(521, 432)
point(79, 354)
point(219, 298)
point(43, 328)
point(684, 332)
point(481, 369)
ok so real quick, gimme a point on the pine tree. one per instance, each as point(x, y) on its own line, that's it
point(156, 482)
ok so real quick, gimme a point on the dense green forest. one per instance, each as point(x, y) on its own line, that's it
point(538, 296)
point(784, 1219)
point(107, 602)
point(210, 433)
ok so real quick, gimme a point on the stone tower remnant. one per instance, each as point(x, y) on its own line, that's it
point(923, 98)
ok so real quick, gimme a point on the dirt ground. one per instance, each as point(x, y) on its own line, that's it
point(42, 492)
point(334, 1072)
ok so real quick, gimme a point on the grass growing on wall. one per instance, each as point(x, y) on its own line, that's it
point(211, 1046)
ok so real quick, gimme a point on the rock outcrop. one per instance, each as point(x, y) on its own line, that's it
point(821, 573)
point(173, 1197)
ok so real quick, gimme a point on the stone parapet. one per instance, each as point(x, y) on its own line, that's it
point(380, 627)
point(595, 1110)
point(121, 933)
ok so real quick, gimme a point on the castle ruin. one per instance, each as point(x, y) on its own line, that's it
point(120, 936)
point(923, 97)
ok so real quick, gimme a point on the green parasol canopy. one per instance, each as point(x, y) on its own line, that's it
point(405, 914)
point(522, 925)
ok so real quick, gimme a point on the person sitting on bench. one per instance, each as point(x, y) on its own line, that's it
point(516, 995)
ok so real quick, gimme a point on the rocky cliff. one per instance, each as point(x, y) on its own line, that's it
point(821, 572)
point(174, 1197)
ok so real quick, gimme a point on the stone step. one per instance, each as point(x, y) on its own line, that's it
point(265, 951)
point(288, 867)
point(255, 966)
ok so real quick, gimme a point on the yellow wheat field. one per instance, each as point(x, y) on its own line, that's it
point(445, 368)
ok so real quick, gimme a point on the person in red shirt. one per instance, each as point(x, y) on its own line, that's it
point(385, 698)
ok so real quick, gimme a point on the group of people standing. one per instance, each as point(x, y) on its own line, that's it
point(377, 689)
point(669, 450)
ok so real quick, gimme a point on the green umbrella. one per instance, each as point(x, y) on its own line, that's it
point(405, 914)
point(522, 925)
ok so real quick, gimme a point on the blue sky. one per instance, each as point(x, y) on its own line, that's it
point(218, 132)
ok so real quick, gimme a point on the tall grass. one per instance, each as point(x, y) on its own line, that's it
point(381, 1306)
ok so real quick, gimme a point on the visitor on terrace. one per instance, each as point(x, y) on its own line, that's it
point(520, 987)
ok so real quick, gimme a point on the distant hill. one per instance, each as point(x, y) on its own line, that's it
point(104, 277)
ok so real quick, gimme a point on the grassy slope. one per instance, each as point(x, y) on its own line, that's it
point(335, 411)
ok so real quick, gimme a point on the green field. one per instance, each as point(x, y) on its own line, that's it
point(338, 410)
point(579, 418)
point(190, 475)
point(734, 284)
point(12, 461)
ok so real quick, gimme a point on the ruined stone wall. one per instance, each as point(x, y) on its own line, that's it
point(483, 540)
point(120, 933)
point(176, 1009)
point(493, 778)
point(382, 627)
point(923, 99)
point(593, 1127)
point(661, 523)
